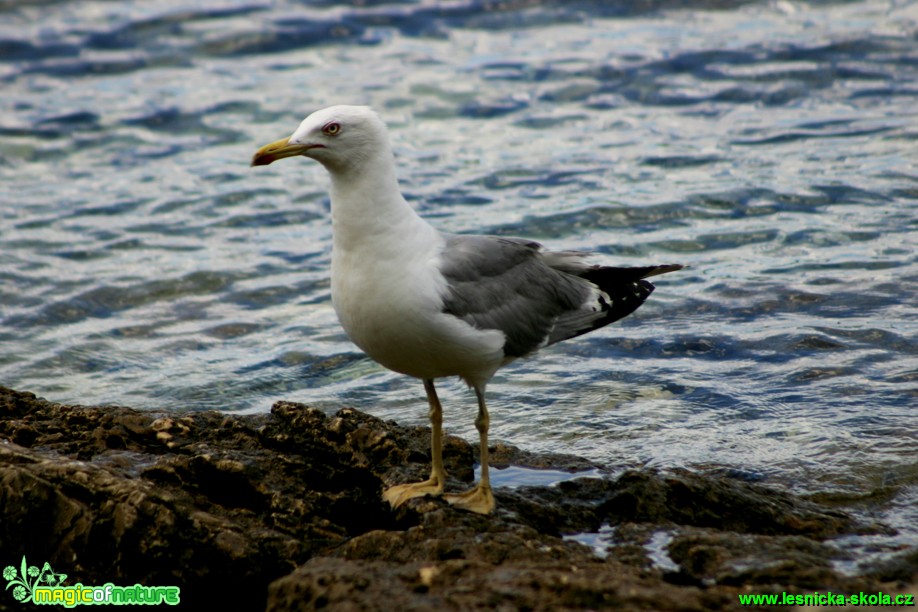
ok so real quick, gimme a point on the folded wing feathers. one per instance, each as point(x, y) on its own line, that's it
point(537, 297)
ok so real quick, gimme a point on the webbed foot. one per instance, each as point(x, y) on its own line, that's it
point(399, 494)
point(479, 499)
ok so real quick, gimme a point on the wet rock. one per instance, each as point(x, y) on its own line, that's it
point(286, 506)
point(503, 455)
point(900, 572)
point(685, 498)
point(714, 557)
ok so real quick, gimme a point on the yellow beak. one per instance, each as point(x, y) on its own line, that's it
point(278, 150)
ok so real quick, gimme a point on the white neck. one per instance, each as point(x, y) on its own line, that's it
point(367, 205)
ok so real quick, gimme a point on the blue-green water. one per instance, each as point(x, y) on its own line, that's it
point(771, 146)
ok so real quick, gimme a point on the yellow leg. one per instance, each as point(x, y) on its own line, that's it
point(399, 494)
point(479, 499)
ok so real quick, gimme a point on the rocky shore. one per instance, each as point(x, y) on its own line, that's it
point(282, 511)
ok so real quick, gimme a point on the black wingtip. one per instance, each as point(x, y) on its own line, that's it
point(625, 288)
point(662, 269)
point(605, 276)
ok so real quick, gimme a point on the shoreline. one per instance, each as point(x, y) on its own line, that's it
point(282, 511)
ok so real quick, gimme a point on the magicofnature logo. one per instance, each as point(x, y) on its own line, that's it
point(45, 587)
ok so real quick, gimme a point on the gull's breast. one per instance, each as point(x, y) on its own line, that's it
point(390, 304)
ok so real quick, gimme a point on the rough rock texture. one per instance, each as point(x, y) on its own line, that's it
point(282, 511)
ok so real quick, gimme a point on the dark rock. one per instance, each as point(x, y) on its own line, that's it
point(503, 455)
point(685, 498)
point(283, 511)
point(713, 557)
point(463, 584)
point(900, 568)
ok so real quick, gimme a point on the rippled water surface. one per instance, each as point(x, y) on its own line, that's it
point(771, 146)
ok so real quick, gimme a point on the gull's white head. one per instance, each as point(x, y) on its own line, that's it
point(338, 137)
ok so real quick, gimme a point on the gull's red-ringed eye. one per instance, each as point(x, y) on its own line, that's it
point(332, 129)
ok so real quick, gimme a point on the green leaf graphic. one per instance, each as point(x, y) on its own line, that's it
point(23, 591)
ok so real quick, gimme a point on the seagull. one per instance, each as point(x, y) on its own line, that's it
point(431, 304)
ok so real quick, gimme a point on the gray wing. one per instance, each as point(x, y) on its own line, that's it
point(507, 284)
